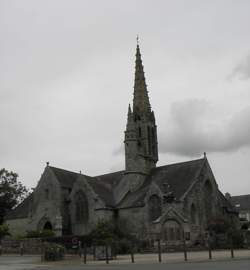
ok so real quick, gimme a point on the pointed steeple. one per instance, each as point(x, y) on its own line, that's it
point(141, 147)
point(141, 104)
point(129, 109)
point(130, 116)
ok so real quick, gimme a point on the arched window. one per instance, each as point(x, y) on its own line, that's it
point(154, 207)
point(193, 214)
point(208, 200)
point(81, 207)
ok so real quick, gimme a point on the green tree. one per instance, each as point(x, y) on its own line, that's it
point(108, 231)
point(12, 192)
point(4, 230)
point(103, 232)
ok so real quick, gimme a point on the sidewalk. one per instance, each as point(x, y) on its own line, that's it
point(17, 262)
point(177, 257)
point(194, 256)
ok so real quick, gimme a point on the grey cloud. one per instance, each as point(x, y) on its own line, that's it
point(196, 130)
point(242, 70)
point(66, 77)
point(119, 150)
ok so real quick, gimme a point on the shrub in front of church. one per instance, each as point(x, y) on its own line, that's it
point(53, 252)
point(47, 233)
point(237, 239)
point(40, 234)
point(224, 234)
point(104, 233)
point(115, 235)
point(4, 230)
point(32, 234)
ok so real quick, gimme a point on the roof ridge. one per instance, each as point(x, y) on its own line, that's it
point(78, 173)
point(178, 163)
point(109, 173)
point(198, 173)
point(52, 167)
point(244, 195)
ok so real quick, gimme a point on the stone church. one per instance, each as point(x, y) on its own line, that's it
point(167, 201)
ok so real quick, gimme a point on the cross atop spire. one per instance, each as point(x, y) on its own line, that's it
point(141, 102)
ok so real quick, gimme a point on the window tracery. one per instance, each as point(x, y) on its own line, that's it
point(155, 207)
point(81, 207)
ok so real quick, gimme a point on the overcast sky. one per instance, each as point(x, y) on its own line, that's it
point(66, 78)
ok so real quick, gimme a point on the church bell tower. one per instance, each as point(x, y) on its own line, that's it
point(141, 147)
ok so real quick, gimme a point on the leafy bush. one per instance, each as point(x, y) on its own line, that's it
point(116, 235)
point(4, 230)
point(123, 247)
point(47, 233)
point(247, 239)
point(40, 234)
point(53, 252)
point(219, 226)
point(19, 236)
point(104, 232)
point(238, 239)
point(33, 234)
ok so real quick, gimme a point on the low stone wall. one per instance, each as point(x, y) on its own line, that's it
point(28, 246)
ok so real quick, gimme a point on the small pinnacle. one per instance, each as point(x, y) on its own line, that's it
point(47, 163)
point(205, 154)
point(80, 172)
point(137, 40)
point(129, 108)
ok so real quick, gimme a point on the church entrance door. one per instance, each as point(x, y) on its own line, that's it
point(172, 232)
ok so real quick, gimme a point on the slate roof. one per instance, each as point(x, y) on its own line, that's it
point(179, 177)
point(136, 198)
point(111, 180)
point(242, 200)
point(22, 210)
point(103, 191)
point(66, 178)
point(103, 185)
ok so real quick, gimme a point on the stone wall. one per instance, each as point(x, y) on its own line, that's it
point(136, 220)
point(17, 227)
point(30, 246)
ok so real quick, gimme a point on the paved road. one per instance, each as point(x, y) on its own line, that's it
point(19, 262)
point(225, 265)
point(229, 265)
point(33, 263)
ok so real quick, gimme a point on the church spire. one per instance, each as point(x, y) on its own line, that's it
point(141, 147)
point(141, 104)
